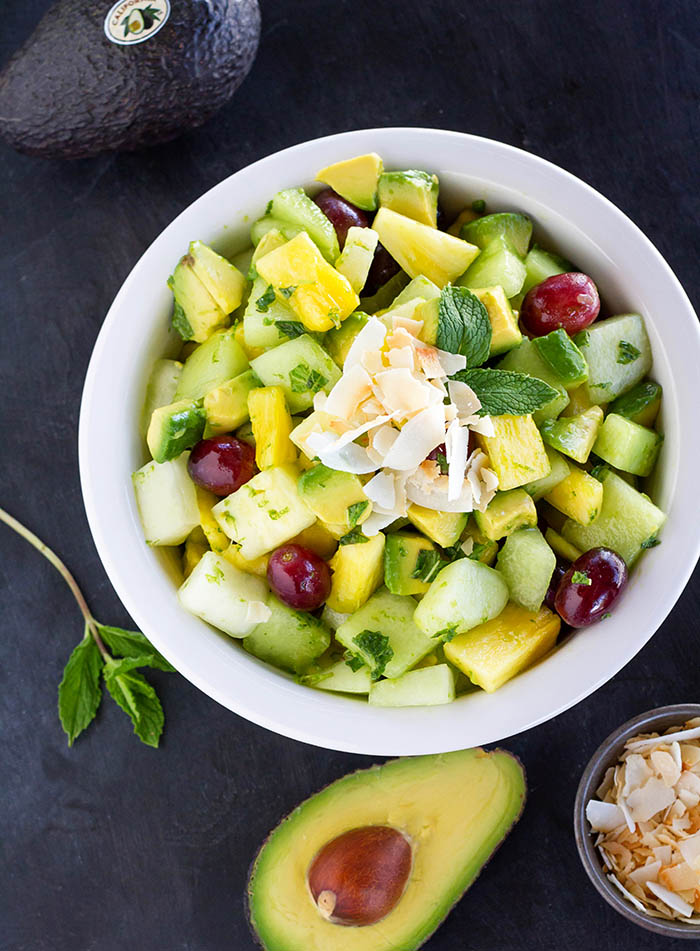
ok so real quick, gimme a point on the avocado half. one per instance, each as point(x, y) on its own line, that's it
point(454, 808)
point(69, 92)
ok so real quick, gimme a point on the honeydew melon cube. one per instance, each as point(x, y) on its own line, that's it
point(288, 639)
point(527, 562)
point(426, 687)
point(166, 500)
point(220, 594)
point(301, 367)
point(464, 594)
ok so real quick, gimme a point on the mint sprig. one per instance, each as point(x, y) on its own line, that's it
point(463, 325)
point(504, 392)
point(79, 692)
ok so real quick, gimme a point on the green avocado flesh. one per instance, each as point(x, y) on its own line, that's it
point(455, 808)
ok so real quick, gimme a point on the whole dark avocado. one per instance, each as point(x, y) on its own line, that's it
point(70, 92)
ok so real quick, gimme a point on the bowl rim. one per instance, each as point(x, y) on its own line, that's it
point(607, 755)
point(406, 731)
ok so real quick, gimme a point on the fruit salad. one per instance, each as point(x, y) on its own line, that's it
point(400, 455)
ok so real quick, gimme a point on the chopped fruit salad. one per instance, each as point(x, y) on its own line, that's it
point(400, 454)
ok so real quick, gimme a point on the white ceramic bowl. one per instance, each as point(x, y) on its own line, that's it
point(577, 222)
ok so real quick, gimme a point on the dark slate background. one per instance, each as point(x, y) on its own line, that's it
point(111, 845)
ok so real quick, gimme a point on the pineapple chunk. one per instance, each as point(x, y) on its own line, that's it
point(516, 451)
point(316, 422)
point(358, 570)
point(206, 500)
point(505, 513)
point(492, 653)
point(579, 496)
point(505, 333)
point(420, 249)
point(315, 291)
point(318, 539)
point(272, 424)
point(253, 566)
point(196, 545)
point(443, 528)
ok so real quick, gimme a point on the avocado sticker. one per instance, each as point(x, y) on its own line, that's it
point(133, 21)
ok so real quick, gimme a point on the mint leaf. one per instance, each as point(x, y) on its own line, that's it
point(263, 302)
point(137, 698)
point(79, 692)
point(505, 392)
point(447, 634)
point(627, 352)
point(180, 322)
point(354, 661)
point(580, 577)
point(303, 378)
point(355, 512)
point(133, 644)
point(651, 542)
point(290, 328)
point(376, 646)
point(428, 564)
point(463, 325)
point(287, 292)
point(355, 537)
point(441, 460)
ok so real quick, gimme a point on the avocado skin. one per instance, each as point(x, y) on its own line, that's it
point(69, 92)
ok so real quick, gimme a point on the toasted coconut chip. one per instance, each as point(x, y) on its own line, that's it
point(383, 438)
point(635, 901)
point(402, 357)
point(432, 493)
point(376, 522)
point(467, 546)
point(429, 362)
point(690, 755)
point(381, 490)
point(350, 458)
point(671, 899)
point(650, 743)
point(689, 781)
point(628, 817)
point(464, 398)
point(482, 425)
point(409, 324)
point(604, 816)
point(666, 767)
point(606, 784)
point(457, 440)
point(451, 362)
point(653, 797)
point(402, 338)
point(421, 434)
point(636, 773)
point(352, 388)
point(370, 338)
point(680, 878)
point(352, 434)
point(430, 469)
point(401, 392)
point(663, 854)
point(257, 612)
point(690, 850)
point(646, 873)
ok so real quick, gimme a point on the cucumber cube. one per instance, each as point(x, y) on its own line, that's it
point(383, 633)
point(289, 639)
point(214, 362)
point(220, 594)
point(627, 520)
point(627, 445)
point(573, 435)
point(293, 206)
point(166, 500)
point(464, 594)
point(526, 359)
point(559, 470)
point(301, 367)
point(641, 404)
point(263, 226)
point(499, 264)
point(618, 354)
point(340, 678)
point(260, 319)
point(265, 512)
point(563, 357)
point(175, 428)
point(526, 562)
point(426, 687)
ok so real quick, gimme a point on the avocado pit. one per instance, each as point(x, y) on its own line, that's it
point(359, 877)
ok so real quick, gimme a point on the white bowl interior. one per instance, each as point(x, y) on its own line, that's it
point(572, 219)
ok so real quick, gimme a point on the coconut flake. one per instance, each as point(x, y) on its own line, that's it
point(401, 392)
point(257, 612)
point(645, 873)
point(635, 901)
point(451, 362)
point(666, 766)
point(432, 493)
point(690, 850)
point(421, 434)
point(376, 522)
point(650, 799)
point(350, 458)
point(402, 357)
point(636, 773)
point(650, 743)
point(464, 398)
point(381, 490)
point(604, 816)
point(371, 337)
point(457, 443)
point(671, 899)
point(409, 324)
point(482, 425)
point(352, 388)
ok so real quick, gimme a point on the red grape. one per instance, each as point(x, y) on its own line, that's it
point(342, 214)
point(382, 270)
point(221, 464)
point(569, 300)
point(299, 577)
point(590, 587)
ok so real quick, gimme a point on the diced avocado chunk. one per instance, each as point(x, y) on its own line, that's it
point(266, 317)
point(579, 496)
point(563, 357)
point(357, 255)
point(267, 223)
point(412, 193)
point(220, 594)
point(526, 562)
point(382, 632)
point(496, 651)
point(175, 428)
point(422, 250)
point(559, 470)
point(627, 445)
point(301, 367)
point(444, 528)
point(516, 451)
point(265, 512)
point(318, 294)
point(216, 361)
point(160, 390)
point(618, 354)
point(339, 340)
point(514, 228)
point(426, 687)
point(334, 497)
point(641, 404)
point(505, 333)
point(505, 513)
point(196, 315)
point(355, 179)
point(410, 563)
point(560, 546)
point(573, 435)
point(272, 425)
point(498, 264)
point(526, 359)
point(464, 594)
point(293, 205)
point(628, 522)
point(226, 406)
point(579, 402)
point(289, 639)
point(166, 501)
point(224, 282)
point(358, 570)
point(338, 677)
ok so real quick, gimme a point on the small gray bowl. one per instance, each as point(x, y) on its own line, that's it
point(607, 754)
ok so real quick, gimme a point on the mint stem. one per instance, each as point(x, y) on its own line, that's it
point(65, 574)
